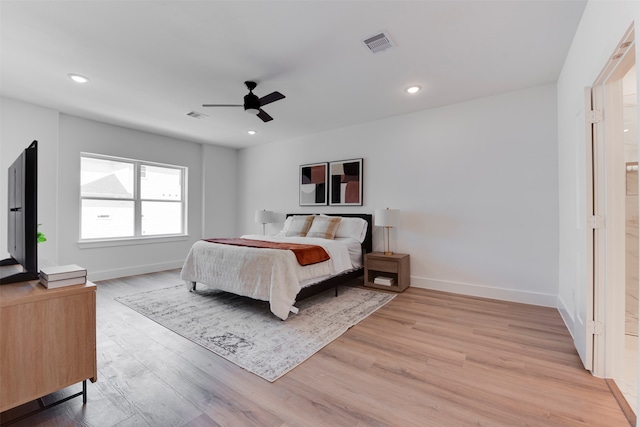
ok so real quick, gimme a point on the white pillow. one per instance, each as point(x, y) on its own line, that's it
point(353, 227)
point(324, 227)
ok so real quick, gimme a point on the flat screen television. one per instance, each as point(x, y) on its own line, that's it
point(22, 219)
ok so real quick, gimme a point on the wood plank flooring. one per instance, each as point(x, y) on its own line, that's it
point(426, 359)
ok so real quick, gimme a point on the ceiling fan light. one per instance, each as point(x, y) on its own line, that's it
point(251, 103)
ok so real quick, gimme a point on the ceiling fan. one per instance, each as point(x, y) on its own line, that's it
point(252, 104)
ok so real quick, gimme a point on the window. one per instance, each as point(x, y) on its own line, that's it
point(124, 198)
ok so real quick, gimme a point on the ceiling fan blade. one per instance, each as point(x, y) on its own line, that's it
point(272, 97)
point(222, 105)
point(264, 116)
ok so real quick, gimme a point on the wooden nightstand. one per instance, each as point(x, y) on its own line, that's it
point(394, 266)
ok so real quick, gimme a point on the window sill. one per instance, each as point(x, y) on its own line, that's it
point(105, 243)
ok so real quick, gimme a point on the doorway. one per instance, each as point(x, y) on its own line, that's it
point(628, 380)
point(615, 252)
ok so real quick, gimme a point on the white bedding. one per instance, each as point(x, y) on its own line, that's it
point(272, 275)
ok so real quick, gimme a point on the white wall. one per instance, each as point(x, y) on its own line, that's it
point(219, 191)
point(212, 172)
point(476, 184)
point(80, 135)
point(602, 26)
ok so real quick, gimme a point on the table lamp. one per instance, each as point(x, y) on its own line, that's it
point(386, 218)
point(264, 217)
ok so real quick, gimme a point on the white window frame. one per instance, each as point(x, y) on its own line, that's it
point(137, 238)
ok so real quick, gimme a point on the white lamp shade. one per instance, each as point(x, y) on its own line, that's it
point(386, 217)
point(264, 217)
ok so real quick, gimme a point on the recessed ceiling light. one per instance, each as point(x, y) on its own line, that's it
point(78, 78)
point(413, 89)
point(251, 132)
point(626, 130)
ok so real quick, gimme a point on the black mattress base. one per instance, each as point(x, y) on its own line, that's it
point(331, 282)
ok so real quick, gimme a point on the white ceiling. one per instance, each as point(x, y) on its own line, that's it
point(151, 62)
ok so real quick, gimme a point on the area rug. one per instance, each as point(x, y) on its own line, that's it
point(246, 333)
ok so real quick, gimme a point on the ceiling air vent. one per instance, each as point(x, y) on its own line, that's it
point(379, 42)
point(196, 115)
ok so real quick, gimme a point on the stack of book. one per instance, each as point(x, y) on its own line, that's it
point(63, 275)
point(384, 281)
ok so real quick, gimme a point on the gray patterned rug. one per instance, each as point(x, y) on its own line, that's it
point(246, 333)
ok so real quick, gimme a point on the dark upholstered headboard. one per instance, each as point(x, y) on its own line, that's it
point(367, 244)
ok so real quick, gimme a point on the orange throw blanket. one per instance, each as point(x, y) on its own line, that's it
point(305, 254)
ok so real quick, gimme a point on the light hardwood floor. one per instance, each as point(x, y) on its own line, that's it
point(426, 359)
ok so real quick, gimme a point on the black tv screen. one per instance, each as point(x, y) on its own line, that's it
point(22, 219)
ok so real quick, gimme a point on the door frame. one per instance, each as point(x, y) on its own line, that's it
point(583, 336)
point(606, 188)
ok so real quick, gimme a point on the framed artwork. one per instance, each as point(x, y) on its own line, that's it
point(313, 184)
point(345, 183)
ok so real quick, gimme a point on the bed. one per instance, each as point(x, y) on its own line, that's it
point(275, 275)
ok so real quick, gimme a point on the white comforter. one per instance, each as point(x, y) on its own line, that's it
point(272, 275)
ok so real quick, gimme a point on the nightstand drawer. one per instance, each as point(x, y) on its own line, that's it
point(382, 265)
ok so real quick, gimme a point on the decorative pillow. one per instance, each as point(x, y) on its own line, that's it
point(352, 227)
point(324, 227)
point(297, 225)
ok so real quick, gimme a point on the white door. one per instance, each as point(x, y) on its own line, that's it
point(584, 321)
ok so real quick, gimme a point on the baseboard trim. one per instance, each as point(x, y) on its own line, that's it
point(622, 401)
point(567, 318)
point(513, 295)
point(534, 298)
point(96, 276)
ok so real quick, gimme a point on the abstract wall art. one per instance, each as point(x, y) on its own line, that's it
point(313, 184)
point(345, 183)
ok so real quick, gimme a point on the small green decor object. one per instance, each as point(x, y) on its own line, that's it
point(41, 237)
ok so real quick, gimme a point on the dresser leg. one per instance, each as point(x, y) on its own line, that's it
point(43, 407)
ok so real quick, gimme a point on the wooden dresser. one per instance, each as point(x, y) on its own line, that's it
point(47, 340)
